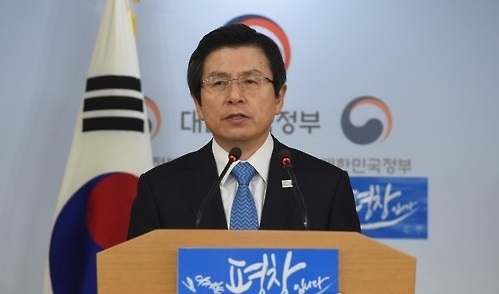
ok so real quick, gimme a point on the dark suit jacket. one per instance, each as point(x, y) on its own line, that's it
point(169, 195)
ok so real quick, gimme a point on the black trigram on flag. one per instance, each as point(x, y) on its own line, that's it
point(110, 102)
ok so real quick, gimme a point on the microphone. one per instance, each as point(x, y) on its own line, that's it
point(234, 155)
point(286, 161)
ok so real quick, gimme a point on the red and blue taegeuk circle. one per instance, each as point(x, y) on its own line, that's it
point(94, 218)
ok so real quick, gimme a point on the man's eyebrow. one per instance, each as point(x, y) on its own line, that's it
point(218, 74)
point(250, 72)
point(244, 73)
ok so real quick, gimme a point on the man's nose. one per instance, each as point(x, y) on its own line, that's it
point(235, 91)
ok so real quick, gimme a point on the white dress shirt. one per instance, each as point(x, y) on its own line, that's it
point(260, 160)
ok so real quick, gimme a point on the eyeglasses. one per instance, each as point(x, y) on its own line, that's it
point(249, 83)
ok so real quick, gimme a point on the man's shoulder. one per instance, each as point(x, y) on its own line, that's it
point(304, 160)
point(181, 163)
point(307, 159)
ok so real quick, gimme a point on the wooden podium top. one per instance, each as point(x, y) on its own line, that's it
point(148, 264)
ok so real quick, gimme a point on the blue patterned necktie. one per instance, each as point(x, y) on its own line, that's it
point(243, 215)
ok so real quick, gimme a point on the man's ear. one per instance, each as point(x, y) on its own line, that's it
point(199, 108)
point(280, 99)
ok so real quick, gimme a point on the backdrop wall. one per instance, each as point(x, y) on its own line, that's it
point(427, 71)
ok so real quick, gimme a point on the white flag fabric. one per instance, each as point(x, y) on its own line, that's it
point(111, 147)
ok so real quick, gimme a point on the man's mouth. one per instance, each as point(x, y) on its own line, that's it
point(236, 116)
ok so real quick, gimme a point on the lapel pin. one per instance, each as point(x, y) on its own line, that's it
point(287, 184)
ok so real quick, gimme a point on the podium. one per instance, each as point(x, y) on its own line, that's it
point(148, 264)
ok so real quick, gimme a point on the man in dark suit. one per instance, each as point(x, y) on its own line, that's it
point(237, 79)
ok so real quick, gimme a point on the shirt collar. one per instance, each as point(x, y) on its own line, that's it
point(259, 160)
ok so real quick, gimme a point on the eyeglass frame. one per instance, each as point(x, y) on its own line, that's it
point(239, 82)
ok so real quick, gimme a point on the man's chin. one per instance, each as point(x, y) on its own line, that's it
point(234, 139)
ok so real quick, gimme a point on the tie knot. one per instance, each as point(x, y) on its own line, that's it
point(243, 172)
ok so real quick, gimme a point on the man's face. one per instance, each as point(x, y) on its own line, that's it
point(237, 116)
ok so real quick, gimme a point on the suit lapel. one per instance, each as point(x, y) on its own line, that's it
point(204, 174)
point(279, 201)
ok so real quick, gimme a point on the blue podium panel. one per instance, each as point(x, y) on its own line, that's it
point(261, 271)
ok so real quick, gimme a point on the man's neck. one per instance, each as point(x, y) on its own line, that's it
point(248, 148)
